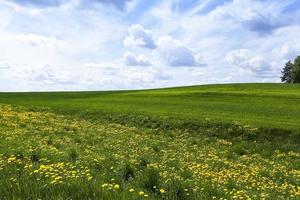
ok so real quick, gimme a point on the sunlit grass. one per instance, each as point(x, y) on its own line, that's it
point(259, 105)
point(50, 156)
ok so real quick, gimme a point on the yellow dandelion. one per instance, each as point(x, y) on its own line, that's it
point(117, 186)
point(141, 193)
point(104, 185)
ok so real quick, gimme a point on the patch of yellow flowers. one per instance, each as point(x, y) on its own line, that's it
point(38, 144)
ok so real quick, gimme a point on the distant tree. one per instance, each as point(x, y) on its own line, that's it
point(296, 71)
point(291, 72)
point(287, 72)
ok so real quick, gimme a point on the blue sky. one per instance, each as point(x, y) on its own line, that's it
point(51, 45)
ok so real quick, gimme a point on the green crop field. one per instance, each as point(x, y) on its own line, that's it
point(232, 141)
point(260, 105)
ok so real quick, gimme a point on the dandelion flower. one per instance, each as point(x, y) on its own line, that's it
point(104, 185)
point(117, 186)
point(141, 193)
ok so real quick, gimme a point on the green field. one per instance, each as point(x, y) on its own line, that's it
point(260, 105)
point(235, 141)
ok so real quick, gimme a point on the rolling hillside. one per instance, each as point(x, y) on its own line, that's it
point(259, 105)
point(237, 141)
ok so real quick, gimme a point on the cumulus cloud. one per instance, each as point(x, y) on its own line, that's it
point(259, 66)
point(44, 74)
point(175, 54)
point(139, 37)
point(112, 76)
point(66, 34)
point(131, 59)
point(243, 59)
point(238, 56)
point(150, 75)
point(41, 74)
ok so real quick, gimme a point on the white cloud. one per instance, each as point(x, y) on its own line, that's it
point(145, 76)
point(262, 17)
point(139, 37)
point(112, 76)
point(102, 66)
point(259, 66)
point(40, 78)
point(243, 59)
point(238, 57)
point(36, 40)
point(175, 54)
point(42, 75)
point(82, 53)
point(131, 59)
point(285, 52)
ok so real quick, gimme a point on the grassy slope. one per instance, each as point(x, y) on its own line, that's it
point(49, 156)
point(260, 105)
point(266, 105)
point(203, 161)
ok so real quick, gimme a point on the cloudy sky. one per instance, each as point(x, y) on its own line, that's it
point(131, 44)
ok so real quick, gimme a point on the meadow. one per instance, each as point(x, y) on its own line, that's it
point(236, 141)
point(260, 105)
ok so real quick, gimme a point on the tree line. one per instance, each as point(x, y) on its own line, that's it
point(291, 71)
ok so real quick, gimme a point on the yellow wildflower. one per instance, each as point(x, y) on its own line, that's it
point(117, 186)
point(141, 193)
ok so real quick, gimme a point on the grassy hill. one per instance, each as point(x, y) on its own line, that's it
point(259, 105)
point(235, 141)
